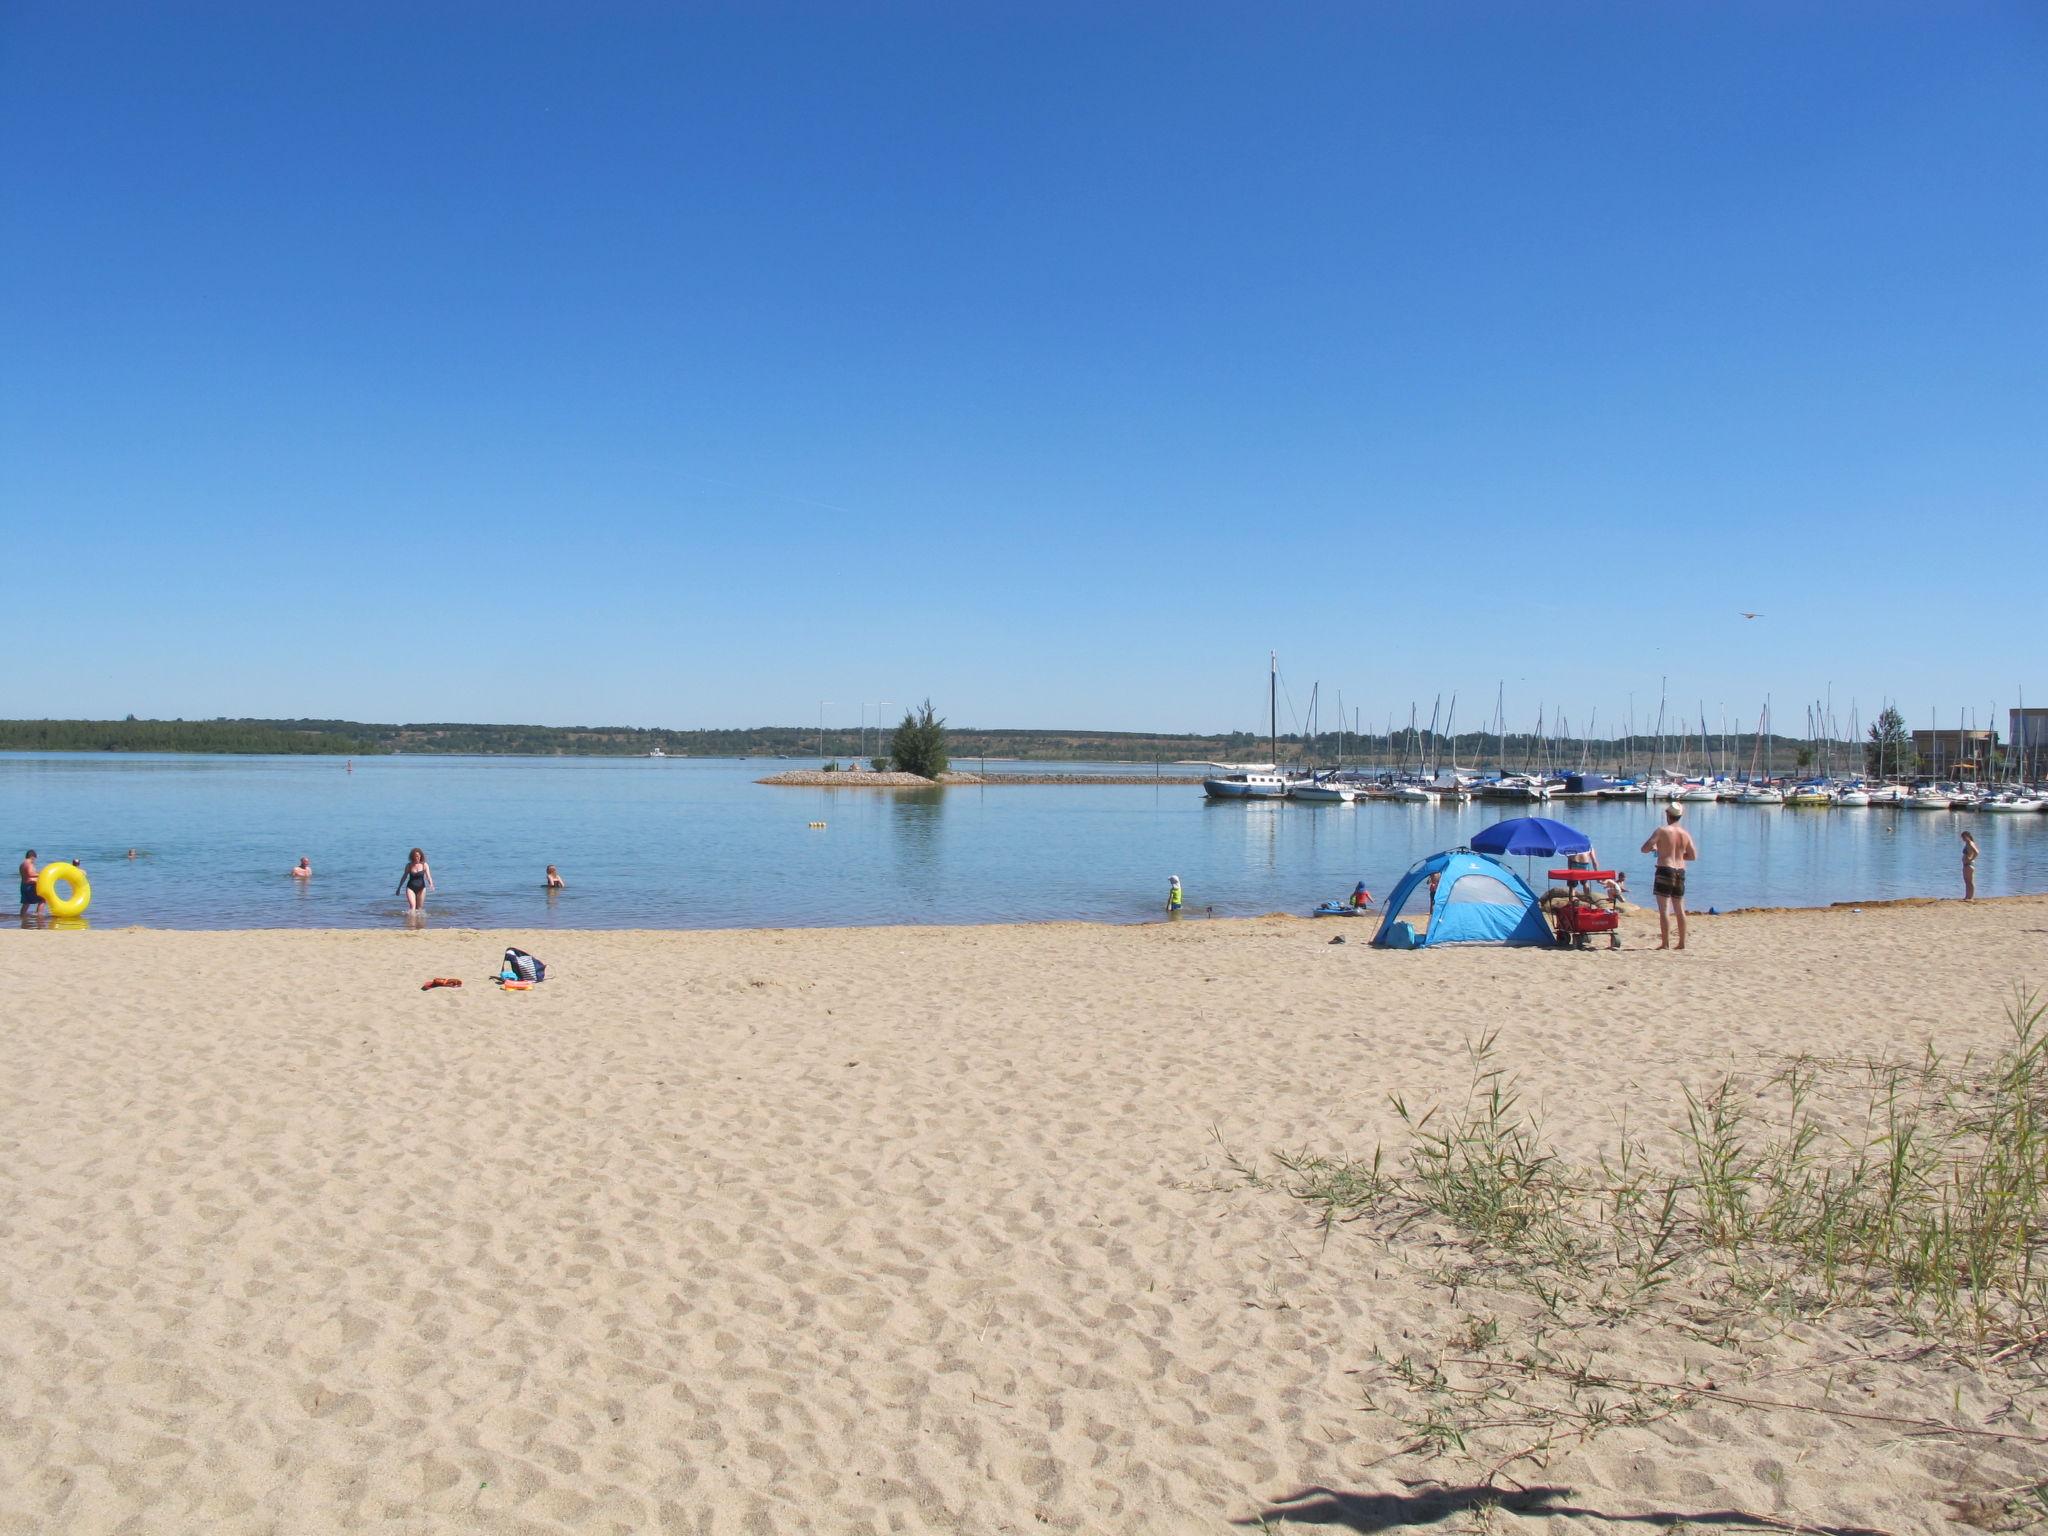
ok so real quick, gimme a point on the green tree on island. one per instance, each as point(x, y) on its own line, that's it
point(919, 745)
point(1890, 749)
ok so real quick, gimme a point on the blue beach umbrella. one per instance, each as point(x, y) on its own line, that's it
point(1535, 836)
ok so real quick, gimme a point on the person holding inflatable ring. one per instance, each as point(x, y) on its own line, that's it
point(71, 875)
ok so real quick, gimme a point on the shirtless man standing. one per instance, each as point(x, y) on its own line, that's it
point(1674, 848)
point(28, 873)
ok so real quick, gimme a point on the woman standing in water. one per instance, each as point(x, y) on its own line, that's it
point(416, 881)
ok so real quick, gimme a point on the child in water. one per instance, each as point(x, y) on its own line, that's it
point(1173, 894)
point(555, 880)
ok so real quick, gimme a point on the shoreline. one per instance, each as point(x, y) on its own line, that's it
point(1637, 914)
point(814, 778)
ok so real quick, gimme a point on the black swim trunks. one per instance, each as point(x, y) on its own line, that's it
point(1669, 882)
point(28, 892)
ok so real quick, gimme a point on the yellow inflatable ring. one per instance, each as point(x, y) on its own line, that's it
point(81, 889)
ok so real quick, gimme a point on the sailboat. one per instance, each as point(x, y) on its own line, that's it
point(1753, 792)
point(1255, 781)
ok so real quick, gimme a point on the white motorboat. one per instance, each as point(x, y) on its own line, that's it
point(1927, 800)
point(1759, 794)
point(1700, 793)
point(1322, 792)
point(1889, 795)
point(2008, 805)
point(657, 752)
point(1853, 797)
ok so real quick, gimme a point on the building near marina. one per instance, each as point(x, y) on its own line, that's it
point(1955, 754)
point(2028, 740)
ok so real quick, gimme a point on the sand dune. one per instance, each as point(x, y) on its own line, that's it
point(861, 1230)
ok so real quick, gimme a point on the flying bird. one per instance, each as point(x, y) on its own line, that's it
point(1752, 615)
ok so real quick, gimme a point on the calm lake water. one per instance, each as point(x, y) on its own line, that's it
point(695, 843)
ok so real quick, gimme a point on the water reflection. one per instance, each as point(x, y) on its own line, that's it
point(915, 818)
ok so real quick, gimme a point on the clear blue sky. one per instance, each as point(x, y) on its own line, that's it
point(685, 365)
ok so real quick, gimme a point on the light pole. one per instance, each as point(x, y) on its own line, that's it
point(821, 725)
point(877, 706)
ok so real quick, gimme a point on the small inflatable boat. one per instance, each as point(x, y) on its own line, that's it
point(1340, 909)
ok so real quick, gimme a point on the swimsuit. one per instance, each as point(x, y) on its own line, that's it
point(28, 892)
point(1669, 882)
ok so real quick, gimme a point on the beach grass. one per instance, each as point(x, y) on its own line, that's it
point(1907, 1197)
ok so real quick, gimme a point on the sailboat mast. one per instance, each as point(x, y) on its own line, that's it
point(1273, 704)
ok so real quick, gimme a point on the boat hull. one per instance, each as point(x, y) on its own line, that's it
point(1238, 789)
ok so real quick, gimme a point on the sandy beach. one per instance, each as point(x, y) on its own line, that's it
point(872, 1230)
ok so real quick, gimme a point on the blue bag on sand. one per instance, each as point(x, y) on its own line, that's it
point(523, 967)
point(1401, 936)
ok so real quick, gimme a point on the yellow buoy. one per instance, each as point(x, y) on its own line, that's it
point(70, 875)
point(817, 826)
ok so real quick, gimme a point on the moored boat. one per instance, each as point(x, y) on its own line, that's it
point(1322, 792)
point(1247, 784)
point(1514, 786)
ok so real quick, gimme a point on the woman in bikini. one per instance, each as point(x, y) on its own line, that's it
point(1969, 867)
point(416, 881)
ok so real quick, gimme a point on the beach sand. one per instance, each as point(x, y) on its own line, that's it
point(876, 1230)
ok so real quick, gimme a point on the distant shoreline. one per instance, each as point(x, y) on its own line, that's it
point(816, 778)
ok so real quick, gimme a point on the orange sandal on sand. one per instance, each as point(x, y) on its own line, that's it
point(439, 981)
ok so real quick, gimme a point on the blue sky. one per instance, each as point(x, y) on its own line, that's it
point(687, 365)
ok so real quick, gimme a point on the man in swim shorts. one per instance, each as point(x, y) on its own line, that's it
point(29, 872)
point(1674, 848)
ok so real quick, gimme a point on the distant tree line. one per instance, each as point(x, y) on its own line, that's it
point(1419, 748)
point(133, 735)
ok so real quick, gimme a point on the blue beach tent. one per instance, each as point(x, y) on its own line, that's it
point(1478, 900)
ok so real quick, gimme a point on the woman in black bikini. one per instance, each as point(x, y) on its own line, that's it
point(416, 881)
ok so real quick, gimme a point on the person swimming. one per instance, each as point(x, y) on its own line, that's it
point(417, 880)
point(303, 870)
point(555, 881)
